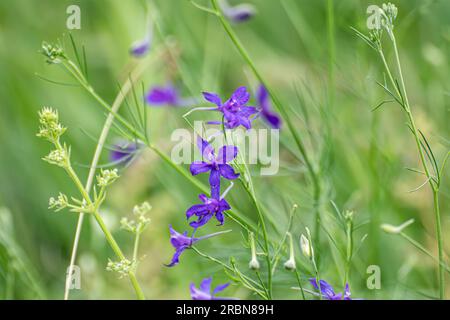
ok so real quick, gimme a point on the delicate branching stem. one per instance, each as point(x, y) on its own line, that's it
point(93, 167)
point(403, 97)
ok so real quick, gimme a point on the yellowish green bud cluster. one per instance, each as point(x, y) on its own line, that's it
point(107, 177)
point(123, 267)
point(137, 226)
point(59, 203)
point(50, 128)
point(53, 53)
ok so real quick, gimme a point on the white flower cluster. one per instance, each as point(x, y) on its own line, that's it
point(59, 203)
point(123, 267)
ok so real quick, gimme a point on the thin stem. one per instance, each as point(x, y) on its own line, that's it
point(297, 275)
point(424, 250)
point(266, 239)
point(434, 188)
point(93, 167)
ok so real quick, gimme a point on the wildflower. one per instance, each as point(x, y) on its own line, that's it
point(240, 13)
point(181, 242)
point(254, 263)
point(266, 113)
point(218, 166)
point(166, 95)
point(58, 157)
point(123, 267)
point(210, 207)
point(204, 291)
point(107, 177)
point(140, 48)
point(123, 151)
point(235, 110)
point(328, 292)
point(137, 226)
point(50, 128)
point(389, 228)
point(54, 53)
point(59, 203)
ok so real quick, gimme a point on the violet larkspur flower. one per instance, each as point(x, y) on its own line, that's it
point(123, 151)
point(266, 112)
point(239, 13)
point(181, 242)
point(235, 110)
point(218, 166)
point(204, 291)
point(328, 291)
point(140, 48)
point(210, 207)
point(163, 95)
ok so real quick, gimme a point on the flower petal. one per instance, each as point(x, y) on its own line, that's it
point(201, 221)
point(206, 150)
point(226, 154)
point(212, 97)
point(220, 287)
point(214, 177)
point(227, 172)
point(220, 218)
point(240, 96)
point(196, 209)
point(272, 119)
point(197, 167)
point(205, 285)
point(262, 96)
point(176, 257)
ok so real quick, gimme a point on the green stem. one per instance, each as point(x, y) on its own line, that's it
point(425, 251)
point(266, 239)
point(297, 275)
point(433, 187)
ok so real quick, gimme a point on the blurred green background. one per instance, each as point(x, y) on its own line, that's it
point(362, 154)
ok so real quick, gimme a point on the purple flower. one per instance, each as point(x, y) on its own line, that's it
point(239, 13)
point(235, 110)
point(266, 112)
point(163, 95)
point(181, 242)
point(140, 48)
point(123, 151)
point(204, 291)
point(210, 207)
point(328, 292)
point(218, 166)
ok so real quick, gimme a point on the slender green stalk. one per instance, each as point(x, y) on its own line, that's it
point(297, 275)
point(434, 187)
point(98, 150)
point(425, 251)
point(266, 238)
point(90, 204)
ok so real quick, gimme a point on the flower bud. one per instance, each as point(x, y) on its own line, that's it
point(253, 264)
point(389, 228)
point(305, 247)
point(107, 177)
point(290, 264)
